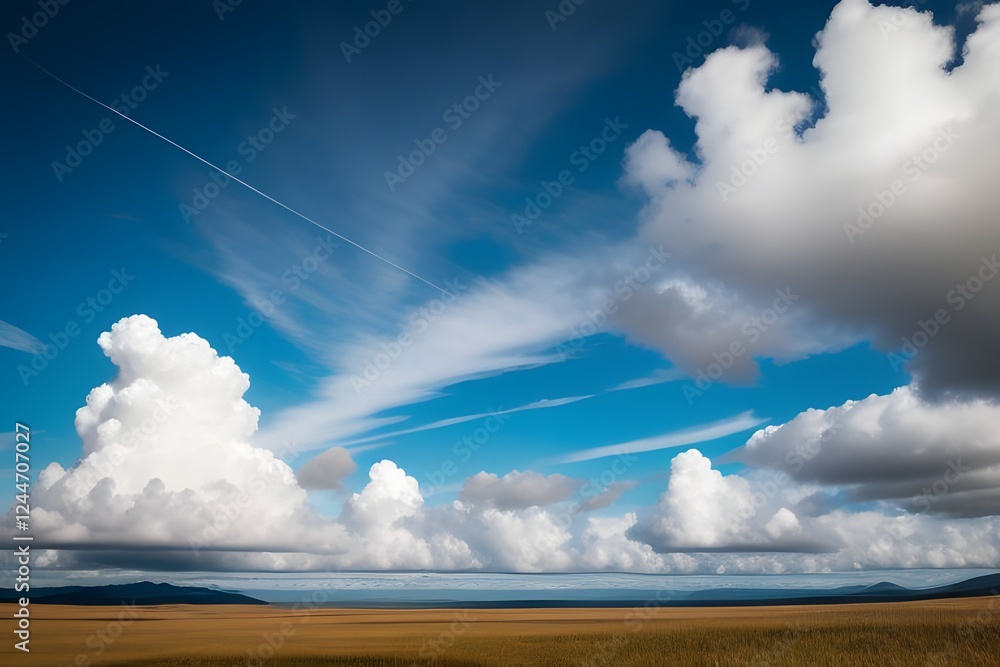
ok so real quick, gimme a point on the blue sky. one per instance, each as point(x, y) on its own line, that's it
point(266, 91)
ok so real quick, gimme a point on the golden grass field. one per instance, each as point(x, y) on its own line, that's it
point(963, 632)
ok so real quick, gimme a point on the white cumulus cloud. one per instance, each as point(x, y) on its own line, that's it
point(766, 207)
point(930, 457)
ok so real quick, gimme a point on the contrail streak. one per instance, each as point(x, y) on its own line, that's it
point(241, 182)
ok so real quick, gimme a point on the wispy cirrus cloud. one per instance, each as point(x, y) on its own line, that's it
point(468, 339)
point(452, 421)
point(659, 376)
point(689, 436)
point(19, 339)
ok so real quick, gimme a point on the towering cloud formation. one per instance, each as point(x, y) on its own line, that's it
point(879, 211)
point(167, 457)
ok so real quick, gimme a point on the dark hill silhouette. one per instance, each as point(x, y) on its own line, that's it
point(142, 593)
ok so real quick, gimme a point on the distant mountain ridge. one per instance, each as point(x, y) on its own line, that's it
point(142, 593)
point(148, 593)
point(884, 591)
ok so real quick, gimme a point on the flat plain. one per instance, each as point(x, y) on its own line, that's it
point(960, 632)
